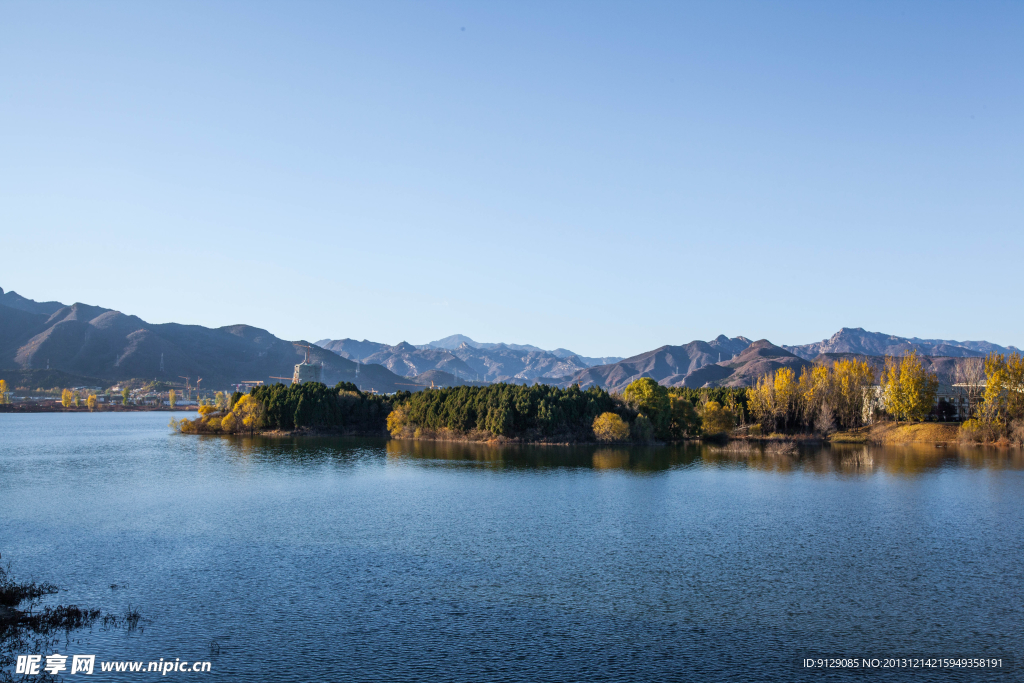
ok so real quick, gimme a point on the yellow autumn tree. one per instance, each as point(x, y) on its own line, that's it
point(5, 395)
point(1003, 400)
point(1015, 387)
point(786, 396)
point(908, 390)
point(610, 427)
point(229, 423)
point(172, 398)
point(851, 381)
point(396, 421)
point(993, 407)
point(817, 400)
point(90, 402)
point(761, 401)
point(248, 410)
point(66, 398)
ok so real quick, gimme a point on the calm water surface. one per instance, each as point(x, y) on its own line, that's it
point(366, 560)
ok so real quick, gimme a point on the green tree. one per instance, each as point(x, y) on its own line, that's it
point(685, 420)
point(172, 398)
point(78, 399)
point(649, 398)
point(643, 429)
point(125, 394)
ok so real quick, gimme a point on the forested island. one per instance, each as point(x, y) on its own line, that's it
point(824, 400)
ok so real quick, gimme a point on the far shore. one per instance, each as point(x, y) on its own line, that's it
point(56, 407)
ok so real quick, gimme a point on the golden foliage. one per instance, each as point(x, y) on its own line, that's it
point(610, 427)
point(172, 397)
point(5, 395)
point(396, 421)
point(908, 391)
point(66, 398)
point(824, 398)
point(229, 424)
point(831, 397)
point(774, 399)
point(206, 410)
point(90, 402)
point(715, 419)
point(248, 411)
point(1002, 408)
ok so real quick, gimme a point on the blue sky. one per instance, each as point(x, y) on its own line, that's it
point(606, 177)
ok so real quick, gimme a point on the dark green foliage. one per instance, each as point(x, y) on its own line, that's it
point(316, 406)
point(511, 410)
point(685, 420)
point(723, 395)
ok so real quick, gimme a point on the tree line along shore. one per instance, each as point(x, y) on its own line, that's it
point(837, 402)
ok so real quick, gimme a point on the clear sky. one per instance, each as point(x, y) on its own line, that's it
point(606, 177)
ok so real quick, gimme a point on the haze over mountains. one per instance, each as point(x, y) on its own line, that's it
point(111, 346)
point(466, 359)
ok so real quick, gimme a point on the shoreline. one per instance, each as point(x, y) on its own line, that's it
point(879, 434)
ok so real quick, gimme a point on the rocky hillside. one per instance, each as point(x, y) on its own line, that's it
point(457, 341)
point(759, 359)
point(859, 341)
point(669, 365)
point(109, 345)
point(483, 362)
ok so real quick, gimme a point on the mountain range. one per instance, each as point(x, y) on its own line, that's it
point(89, 341)
point(101, 343)
point(859, 341)
point(742, 361)
point(464, 358)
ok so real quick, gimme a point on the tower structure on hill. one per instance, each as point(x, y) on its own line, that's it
point(307, 370)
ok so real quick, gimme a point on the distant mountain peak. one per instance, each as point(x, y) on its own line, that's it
point(453, 342)
point(12, 299)
point(857, 340)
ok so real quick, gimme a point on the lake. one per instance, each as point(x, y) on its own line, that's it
point(328, 559)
